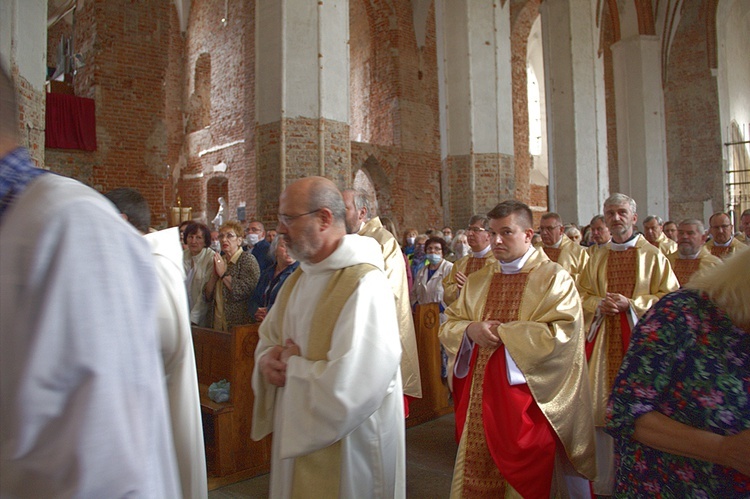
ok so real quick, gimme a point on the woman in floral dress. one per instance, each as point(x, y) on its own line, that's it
point(680, 406)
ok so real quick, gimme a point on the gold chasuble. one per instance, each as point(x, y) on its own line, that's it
point(467, 265)
point(542, 332)
point(395, 271)
point(643, 274)
point(684, 268)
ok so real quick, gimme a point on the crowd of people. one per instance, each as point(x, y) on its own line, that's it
point(581, 361)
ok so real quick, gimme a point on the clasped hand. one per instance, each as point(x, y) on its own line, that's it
point(273, 364)
point(613, 304)
point(484, 333)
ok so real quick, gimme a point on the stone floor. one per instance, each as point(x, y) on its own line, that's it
point(430, 453)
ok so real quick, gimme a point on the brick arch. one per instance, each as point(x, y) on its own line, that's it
point(381, 185)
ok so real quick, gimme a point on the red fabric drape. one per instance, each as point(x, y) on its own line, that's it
point(71, 122)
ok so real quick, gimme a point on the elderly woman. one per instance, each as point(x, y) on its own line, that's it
point(680, 407)
point(233, 280)
point(273, 277)
point(198, 260)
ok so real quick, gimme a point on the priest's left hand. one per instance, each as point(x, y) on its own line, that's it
point(290, 348)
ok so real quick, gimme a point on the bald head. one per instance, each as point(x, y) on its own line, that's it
point(312, 218)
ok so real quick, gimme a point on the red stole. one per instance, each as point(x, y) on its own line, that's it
point(621, 275)
point(514, 431)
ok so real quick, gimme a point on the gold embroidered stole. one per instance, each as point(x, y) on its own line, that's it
point(318, 474)
point(685, 268)
point(621, 269)
point(553, 253)
point(481, 476)
point(474, 264)
point(720, 251)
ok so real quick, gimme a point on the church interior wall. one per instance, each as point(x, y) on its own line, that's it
point(694, 147)
point(141, 69)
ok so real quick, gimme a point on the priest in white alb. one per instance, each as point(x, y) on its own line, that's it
point(327, 380)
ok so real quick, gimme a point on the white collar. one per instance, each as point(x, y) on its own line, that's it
point(630, 243)
point(481, 254)
point(516, 265)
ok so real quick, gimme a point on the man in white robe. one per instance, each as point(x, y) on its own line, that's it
point(82, 403)
point(327, 381)
point(177, 353)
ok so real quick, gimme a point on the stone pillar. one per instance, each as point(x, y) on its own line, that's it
point(641, 135)
point(476, 109)
point(576, 113)
point(302, 95)
point(23, 52)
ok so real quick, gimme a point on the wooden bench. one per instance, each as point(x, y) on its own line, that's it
point(435, 395)
point(231, 455)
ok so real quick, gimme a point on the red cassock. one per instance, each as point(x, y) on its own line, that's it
point(521, 440)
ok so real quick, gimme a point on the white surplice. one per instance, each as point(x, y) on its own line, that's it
point(83, 404)
point(179, 362)
point(354, 396)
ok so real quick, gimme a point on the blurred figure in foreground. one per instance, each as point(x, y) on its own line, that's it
point(680, 411)
point(83, 404)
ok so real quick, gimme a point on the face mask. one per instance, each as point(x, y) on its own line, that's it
point(252, 239)
point(216, 246)
point(464, 249)
point(433, 258)
point(448, 239)
point(410, 240)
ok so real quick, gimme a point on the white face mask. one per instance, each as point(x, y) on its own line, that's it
point(216, 246)
point(410, 240)
point(448, 239)
point(433, 258)
point(252, 239)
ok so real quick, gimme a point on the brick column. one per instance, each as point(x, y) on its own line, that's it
point(476, 111)
point(576, 114)
point(302, 92)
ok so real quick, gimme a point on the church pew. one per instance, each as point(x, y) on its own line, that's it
point(231, 455)
point(435, 395)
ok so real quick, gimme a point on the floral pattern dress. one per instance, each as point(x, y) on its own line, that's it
point(688, 361)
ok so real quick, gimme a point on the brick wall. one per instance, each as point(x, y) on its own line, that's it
point(692, 122)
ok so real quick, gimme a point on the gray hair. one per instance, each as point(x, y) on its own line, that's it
point(361, 200)
point(658, 219)
point(694, 221)
point(483, 219)
point(619, 198)
point(326, 195)
point(599, 218)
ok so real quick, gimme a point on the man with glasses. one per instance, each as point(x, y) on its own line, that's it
point(359, 221)
point(480, 256)
point(600, 235)
point(559, 247)
point(327, 380)
point(723, 243)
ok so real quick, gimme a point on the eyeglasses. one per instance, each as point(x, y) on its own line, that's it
point(287, 219)
point(476, 229)
point(549, 229)
point(227, 236)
